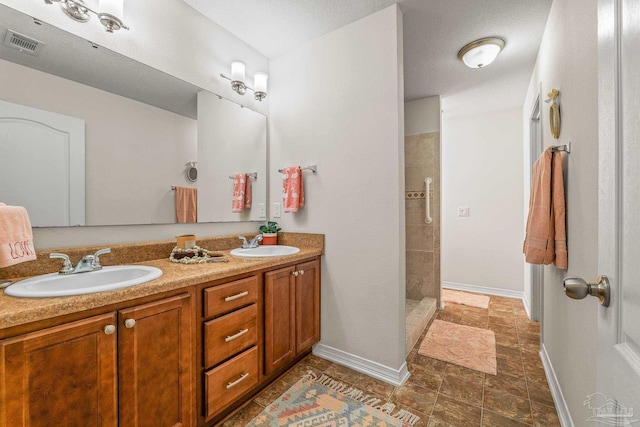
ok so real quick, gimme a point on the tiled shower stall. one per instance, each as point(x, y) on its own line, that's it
point(422, 160)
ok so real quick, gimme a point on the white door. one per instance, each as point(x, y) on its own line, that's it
point(617, 400)
point(42, 164)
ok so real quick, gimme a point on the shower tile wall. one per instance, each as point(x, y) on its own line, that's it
point(422, 160)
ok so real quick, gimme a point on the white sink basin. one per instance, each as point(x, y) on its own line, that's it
point(265, 251)
point(107, 279)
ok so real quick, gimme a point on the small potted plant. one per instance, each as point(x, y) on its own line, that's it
point(270, 233)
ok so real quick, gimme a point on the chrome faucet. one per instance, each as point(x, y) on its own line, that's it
point(252, 244)
point(86, 264)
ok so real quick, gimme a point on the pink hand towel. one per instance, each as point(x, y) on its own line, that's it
point(186, 204)
point(292, 189)
point(247, 193)
point(241, 193)
point(546, 240)
point(16, 236)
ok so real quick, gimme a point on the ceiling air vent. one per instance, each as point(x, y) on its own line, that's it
point(23, 43)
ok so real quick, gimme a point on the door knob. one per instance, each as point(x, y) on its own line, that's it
point(577, 288)
point(130, 323)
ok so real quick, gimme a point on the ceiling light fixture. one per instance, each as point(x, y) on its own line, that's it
point(482, 52)
point(240, 87)
point(110, 14)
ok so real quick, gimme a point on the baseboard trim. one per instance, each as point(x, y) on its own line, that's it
point(527, 304)
point(484, 290)
point(556, 392)
point(362, 365)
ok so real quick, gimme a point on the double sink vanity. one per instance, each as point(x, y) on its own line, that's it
point(186, 348)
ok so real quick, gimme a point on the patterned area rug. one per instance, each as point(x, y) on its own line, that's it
point(472, 300)
point(325, 402)
point(473, 348)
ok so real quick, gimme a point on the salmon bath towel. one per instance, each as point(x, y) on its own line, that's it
point(186, 204)
point(16, 236)
point(241, 193)
point(292, 189)
point(546, 238)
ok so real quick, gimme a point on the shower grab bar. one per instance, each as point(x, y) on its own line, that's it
point(428, 218)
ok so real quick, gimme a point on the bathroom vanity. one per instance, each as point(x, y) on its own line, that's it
point(186, 349)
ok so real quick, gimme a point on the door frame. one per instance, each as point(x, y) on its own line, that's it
point(536, 272)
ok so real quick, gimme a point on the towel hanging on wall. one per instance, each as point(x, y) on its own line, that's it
point(292, 189)
point(186, 204)
point(546, 238)
point(241, 193)
point(16, 236)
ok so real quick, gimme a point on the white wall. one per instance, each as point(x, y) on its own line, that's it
point(172, 37)
point(567, 61)
point(337, 102)
point(482, 170)
point(422, 116)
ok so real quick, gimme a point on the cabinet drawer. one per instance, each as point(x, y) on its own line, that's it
point(229, 334)
point(224, 298)
point(227, 382)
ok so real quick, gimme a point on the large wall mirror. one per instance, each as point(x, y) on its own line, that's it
point(141, 128)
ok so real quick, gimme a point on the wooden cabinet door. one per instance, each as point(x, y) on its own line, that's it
point(307, 305)
point(65, 375)
point(279, 305)
point(155, 362)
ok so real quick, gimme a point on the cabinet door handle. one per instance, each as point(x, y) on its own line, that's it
point(238, 335)
point(238, 381)
point(129, 323)
point(236, 296)
point(301, 272)
point(295, 273)
point(109, 329)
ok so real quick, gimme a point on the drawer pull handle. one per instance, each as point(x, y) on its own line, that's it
point(238, 381)
point(238, 335)
point(236, 296)
point(301, 272)
point(295, 273)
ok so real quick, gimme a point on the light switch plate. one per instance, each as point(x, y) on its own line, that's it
point(277, 210)
point(463, 211)
point(263, 211)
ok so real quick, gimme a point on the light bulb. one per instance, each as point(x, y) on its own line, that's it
point(260, 82)
point(237, 71)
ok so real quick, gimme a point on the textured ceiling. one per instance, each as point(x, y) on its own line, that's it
point(434, 31)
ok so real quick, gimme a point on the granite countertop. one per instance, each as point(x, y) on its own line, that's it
point(17, 311)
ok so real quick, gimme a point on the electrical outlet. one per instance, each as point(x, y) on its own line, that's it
point(277, 210)
point(463, 211)
point(263, 211)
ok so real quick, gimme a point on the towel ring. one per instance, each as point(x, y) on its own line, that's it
point(192, 172)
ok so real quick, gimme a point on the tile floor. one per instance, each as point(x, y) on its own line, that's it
point(443, 394)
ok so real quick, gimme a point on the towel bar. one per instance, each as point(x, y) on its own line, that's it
point(565, 148)
point(253, 175)
point(311, 168)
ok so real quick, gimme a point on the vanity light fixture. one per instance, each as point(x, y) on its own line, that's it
point(110, 13)
point(237, 77)
point(260, 84)
point(482, 52)
point(238, 81)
